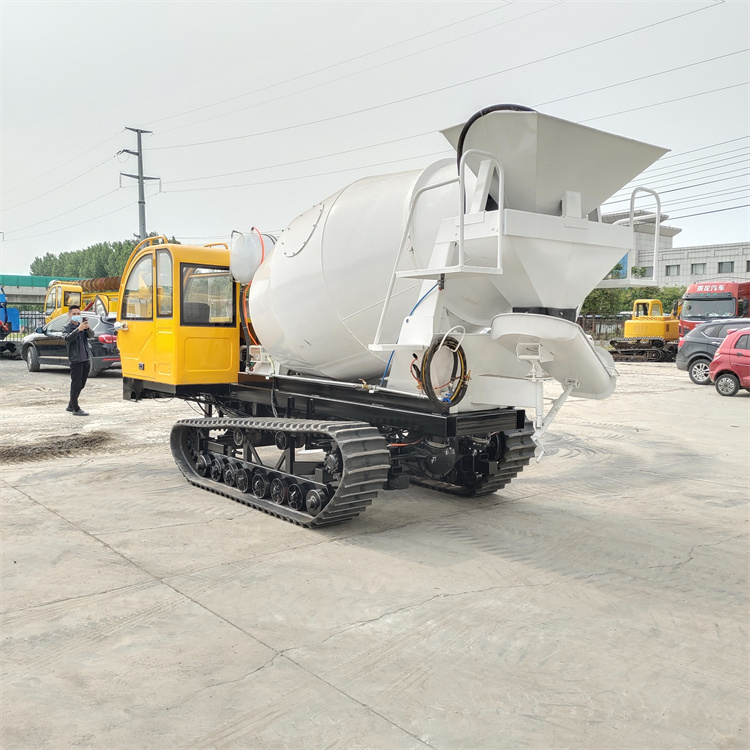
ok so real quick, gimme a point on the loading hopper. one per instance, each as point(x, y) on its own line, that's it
point(544, 156)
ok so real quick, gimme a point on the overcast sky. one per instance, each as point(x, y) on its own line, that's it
point(259, 110)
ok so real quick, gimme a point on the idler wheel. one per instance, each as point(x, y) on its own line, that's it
point(296, 497)
point(282, 440)
point(242, 480)
point(217, 470)
point(230, 475)
point(495, 448)
point(315, 501)
point(202, 465)
point(278, 491)
point(238, 436)
point(260, 484)
point(470, 479)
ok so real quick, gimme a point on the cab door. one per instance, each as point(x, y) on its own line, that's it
point(164, 342)
point(135, 339)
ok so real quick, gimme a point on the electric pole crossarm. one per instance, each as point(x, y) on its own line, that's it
point(141, 179)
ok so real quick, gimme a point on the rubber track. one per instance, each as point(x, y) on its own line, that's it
point(519, 450)
point(643, 352)
point(364, 451)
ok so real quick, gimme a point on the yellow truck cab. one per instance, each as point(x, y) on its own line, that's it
point(60, 296)
point(179, 320)
point(89, 294)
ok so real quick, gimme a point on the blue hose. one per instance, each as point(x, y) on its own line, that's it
point(385, 372)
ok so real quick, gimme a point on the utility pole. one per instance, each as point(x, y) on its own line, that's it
point(140, 178)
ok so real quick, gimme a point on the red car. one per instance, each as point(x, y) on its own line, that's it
point(730, 368)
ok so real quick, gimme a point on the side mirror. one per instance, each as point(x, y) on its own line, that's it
point(120, 326)
point(39, 329)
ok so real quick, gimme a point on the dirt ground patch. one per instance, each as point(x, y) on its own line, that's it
point(76, 443)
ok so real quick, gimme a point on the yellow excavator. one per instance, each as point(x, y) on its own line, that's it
point(650, 335)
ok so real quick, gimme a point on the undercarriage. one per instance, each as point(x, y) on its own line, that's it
point(316, 453)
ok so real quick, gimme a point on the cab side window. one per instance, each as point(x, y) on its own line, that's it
point(138, 298)
point(50, 307)
point(163, 284)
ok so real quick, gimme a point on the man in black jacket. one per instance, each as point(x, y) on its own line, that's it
point(77, 333)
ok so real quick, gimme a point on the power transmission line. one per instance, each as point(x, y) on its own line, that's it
point(640, 78)
point(707, 203)
point(60, 166)
point(360, 72)
point(668, 101)
point(671, 186)
point(438, 90)
point(70, 226)
point(657, 168)
point(299, 161)
point(711, 194)
point(73, 179)
point(307, 176)
point(675, 179)
point(328, 67)
point(704, 213)
point(704, 148)
point(698, 168)
point(64, 213)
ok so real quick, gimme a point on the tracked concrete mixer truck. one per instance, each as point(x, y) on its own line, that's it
point(397, 331)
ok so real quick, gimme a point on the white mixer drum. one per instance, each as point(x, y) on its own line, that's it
point(316, 301)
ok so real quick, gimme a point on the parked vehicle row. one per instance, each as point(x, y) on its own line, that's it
point(716, 352)
point(46, 346)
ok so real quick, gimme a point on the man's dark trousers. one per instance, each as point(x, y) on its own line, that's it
point(79, 374)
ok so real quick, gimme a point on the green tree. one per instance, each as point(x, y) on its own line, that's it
point(614, 301)
point(95, 261)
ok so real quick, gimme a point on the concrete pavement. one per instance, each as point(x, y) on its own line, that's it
point(599, 601)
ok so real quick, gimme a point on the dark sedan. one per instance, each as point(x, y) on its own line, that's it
point(697, 348)
point(46, 346)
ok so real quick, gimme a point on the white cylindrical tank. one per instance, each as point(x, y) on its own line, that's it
point(316, 301)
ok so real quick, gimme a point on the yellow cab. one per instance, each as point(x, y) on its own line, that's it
point(179, 320)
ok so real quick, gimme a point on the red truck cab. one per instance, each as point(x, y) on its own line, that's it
point(714, 299)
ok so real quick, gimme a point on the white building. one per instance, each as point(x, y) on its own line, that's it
point(680, 266)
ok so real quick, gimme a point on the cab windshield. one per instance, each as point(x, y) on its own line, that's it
point(706, 309)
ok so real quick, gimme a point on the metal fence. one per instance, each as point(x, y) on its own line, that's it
point(603, 327)
point(29, 321)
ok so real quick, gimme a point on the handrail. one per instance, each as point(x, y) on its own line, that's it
point(500, 202)
point(150, 241)
point(657, 223)
point(407, 229)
